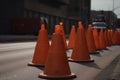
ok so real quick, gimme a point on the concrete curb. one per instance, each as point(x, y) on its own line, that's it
point(17, 38)
point(111, 72)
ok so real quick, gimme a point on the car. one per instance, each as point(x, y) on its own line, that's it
point(99, 25)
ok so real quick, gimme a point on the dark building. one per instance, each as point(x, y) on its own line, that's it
point(80, 9)
point(118, 23)
point(50, 12)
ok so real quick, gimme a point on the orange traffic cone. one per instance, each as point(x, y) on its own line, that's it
point(109, 37)
point(80, 26)
point(106, 38)
point(57, 64)
point(102, 40)
point(90, 41)
point(58, 29)
point(80, 52)
point(41, 49)
point(96, 38)
point(115, 37)
point(72, 37)
point(119, 37)
point(63, 34)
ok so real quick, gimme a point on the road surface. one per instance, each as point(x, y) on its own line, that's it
point(14, 58)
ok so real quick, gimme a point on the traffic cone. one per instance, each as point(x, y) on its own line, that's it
point(90, 41)
point(80, 26)
point(106, 38)
point(63, 34)
point(57, 64)
point(119, 37)
point(109, 37)
point(115, 37)
point(80, 51)
point(96, 38)
point(102, 40)
point(72, 38)
point(112, 39)
point(41, 49)
point(58, 29)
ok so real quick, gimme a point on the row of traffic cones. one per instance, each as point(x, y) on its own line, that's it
point(55, 57)
point(80, 51)
point(82, 42)
point(101, 39)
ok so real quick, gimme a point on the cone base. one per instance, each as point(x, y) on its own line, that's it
point(94, 52)
point(33, 64)
point(99, 49)
point(106, 49)
point(42, 75)
point(69, 48)
point(73, 60)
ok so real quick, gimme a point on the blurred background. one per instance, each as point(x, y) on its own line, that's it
point(24, 17)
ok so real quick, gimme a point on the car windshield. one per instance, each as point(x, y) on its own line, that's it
point(99, 24)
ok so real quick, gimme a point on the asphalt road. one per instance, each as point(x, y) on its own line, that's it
point(14, 58)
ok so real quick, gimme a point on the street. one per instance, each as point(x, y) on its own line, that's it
point(14, 58)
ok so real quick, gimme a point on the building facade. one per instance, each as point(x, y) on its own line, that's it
point(80, 9)
point(118, 23)
point(49, 11)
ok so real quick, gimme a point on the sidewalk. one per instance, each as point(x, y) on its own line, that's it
point(20, 38)
point(111, 72)
point(17, 38)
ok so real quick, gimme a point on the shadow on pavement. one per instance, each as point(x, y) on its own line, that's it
point(89, 64)
point(94, 65)
point(98, 55)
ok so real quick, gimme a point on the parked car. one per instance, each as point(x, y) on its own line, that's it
point(99, 25)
